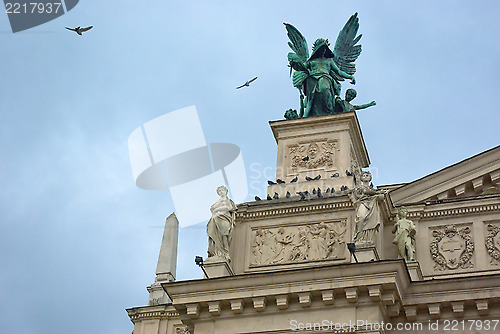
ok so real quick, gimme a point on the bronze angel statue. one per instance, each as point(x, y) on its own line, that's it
point(318, 76)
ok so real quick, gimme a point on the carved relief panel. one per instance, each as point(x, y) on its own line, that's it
point(312, 155)
point(298, 243)
point(452, 247)
point(492, 242)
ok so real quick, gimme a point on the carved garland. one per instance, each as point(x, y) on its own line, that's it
point(452, 234)
point(491, 247)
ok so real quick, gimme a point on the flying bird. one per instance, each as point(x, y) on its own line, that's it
point(79, 30)
point(247, 84)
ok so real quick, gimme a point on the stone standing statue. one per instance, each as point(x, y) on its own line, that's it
point(318, 76)
point(346, 106)
point(405, 235)
point(365, 199)
point(220, 226)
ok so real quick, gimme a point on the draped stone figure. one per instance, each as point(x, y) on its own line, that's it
point(405, 235)
point(220, 226)
point(365, 199)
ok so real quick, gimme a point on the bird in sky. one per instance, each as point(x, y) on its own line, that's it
point(247, 84)
point(79, 30)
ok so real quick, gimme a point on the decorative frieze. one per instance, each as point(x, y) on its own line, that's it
point(452, 247)
point(312, 155)
point(492, 242)
point(298, 243)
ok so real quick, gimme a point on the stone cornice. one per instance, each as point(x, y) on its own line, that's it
point(448, 177)
point(427, 299)
point(368, 282)
point(285, 207)
point(152, 312)
point(455, 208)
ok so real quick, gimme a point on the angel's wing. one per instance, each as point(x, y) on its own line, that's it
point(85, 29)
point(297, 43)
point(346, 51)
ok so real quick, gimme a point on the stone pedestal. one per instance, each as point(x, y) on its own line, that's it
point(366, 254)
point(414, 270)
point(217, 267)
point(321, 148)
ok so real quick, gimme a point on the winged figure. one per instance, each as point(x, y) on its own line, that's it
point(79, 30)
point(318, 76)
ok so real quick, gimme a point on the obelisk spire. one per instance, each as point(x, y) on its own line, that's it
point(167, 262)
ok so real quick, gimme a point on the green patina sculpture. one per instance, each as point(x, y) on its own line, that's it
point(291, 114)
point(318, 76)
point(346, 106)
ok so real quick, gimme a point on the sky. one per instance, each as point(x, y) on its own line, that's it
point(79, 241)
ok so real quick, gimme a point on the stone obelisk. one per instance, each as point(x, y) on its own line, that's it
point(167, 262)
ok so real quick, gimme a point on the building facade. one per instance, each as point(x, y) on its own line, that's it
point(331, 253)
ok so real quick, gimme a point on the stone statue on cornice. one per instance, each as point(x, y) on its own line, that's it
point(405, 235)
point(366, 203)
point(220, 226)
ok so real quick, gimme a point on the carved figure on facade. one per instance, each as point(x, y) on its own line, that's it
point(285, 244)
point(492, 242)
point(366, 203)
point(221, 224)
point(313, 155)
point(405, 235)
point(452, 248)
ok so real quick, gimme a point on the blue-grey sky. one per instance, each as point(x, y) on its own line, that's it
point(79, 241)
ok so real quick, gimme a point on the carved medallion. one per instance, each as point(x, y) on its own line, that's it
point(312, 155)
point(452, 248)
point(299, 243)
point(493, 244)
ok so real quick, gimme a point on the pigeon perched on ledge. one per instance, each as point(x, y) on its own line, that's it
point(294, 179)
